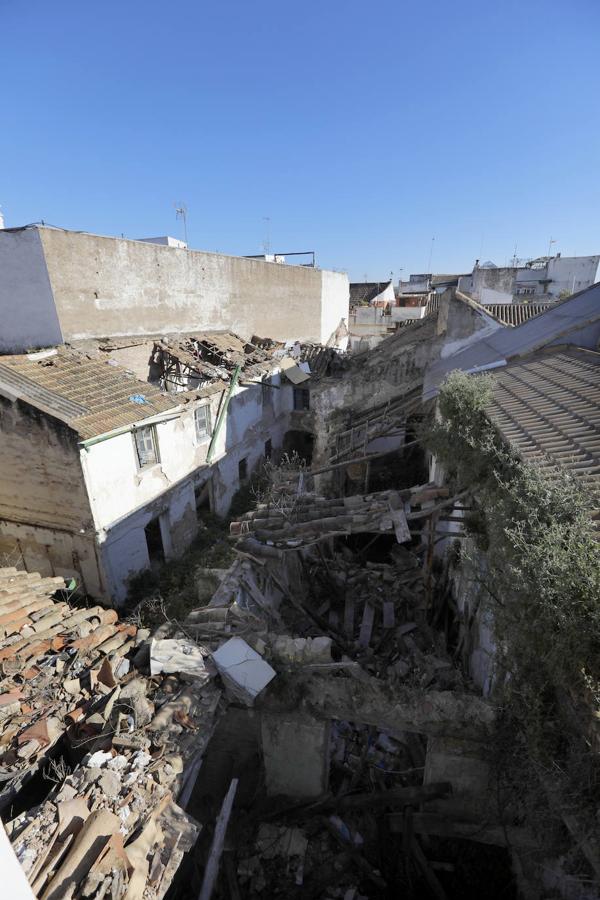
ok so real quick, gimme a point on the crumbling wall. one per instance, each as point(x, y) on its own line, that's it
point(45, 518)
point(42, 481)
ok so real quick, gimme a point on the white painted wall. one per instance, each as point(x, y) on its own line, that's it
point(124, 498)
point(27, 312)
point(116, 486)
point(489, 295)
point(335, 302)
point(406, 313)
point(572, 273)
point(104, 286)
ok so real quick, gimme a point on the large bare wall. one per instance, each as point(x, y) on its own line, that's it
point(111, 286)
point(27, 312)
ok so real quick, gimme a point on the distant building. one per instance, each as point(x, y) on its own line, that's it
point(372, 293)
point(546, 278)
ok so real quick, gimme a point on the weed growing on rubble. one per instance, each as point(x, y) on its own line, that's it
point(539, 569)
point(171, 593)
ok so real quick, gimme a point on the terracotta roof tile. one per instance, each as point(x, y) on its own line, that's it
point(92, 396)
point(548, 407)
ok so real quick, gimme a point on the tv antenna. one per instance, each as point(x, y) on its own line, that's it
point(267, 235)
point(181, 213)
point(551, 241)
point(430, 255)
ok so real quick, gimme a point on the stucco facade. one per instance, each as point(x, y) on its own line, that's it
point(58, 286)
point(81, 508)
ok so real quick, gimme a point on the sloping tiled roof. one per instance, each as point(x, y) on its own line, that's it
point(548, 407)
point(90, 395)
point(516, 313)
point(366, 291)
point(575, 320)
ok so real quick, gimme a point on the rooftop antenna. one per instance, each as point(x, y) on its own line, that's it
point(515, 257)
point(181, 213)
point(430, 255)
point(551, 241)
point(267, 235)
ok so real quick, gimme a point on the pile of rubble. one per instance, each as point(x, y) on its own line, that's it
point(373, 749)
point(298, 519)
point(119, 745)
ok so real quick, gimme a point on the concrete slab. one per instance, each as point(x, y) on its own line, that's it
point(296, 755)
point(243, 670)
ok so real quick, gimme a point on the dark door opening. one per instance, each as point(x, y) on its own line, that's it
point(202, 499)
point(300, 442)
point(154, 542)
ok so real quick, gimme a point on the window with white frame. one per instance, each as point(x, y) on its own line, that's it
point(146, 446)
point(202, 420)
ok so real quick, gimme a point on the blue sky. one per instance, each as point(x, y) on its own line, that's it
point(362, 130)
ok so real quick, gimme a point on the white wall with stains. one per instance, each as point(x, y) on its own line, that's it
point(58, 285)
point(124, 498)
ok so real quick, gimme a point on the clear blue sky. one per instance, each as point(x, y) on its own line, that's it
point(361, 129)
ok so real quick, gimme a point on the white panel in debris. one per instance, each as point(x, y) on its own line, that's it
point(243, 669)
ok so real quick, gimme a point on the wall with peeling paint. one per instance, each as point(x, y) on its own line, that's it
point(70, 285)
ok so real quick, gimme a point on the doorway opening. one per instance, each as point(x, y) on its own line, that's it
point(300, 442)
point(154, 542)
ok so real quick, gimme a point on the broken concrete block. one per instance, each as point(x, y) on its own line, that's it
point(177, 656)
point(244, 672)
point(296, 755)
point(110, 784)
point(301, 651)
point(464, 764)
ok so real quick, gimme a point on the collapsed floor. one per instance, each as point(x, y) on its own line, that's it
point(307, 733)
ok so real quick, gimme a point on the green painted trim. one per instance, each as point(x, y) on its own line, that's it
point(223, 413)
point(141, 423)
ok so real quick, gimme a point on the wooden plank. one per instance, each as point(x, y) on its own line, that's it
point(430, 877)
point(389, 614)
point(214, 857)
point(401, 528)
point(366, 627)
point(349, 615)
point(480, 833)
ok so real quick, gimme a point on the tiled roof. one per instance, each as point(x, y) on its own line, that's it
point(575, 320)
point(35, 629)
point(516, 313)
point(548, 407)
point(90, 395)
point(365, 291)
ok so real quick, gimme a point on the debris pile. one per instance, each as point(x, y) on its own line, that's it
point(371, 749)
point(365, 719)
point(58, 666)
point(300, 519)
point(119, 745)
